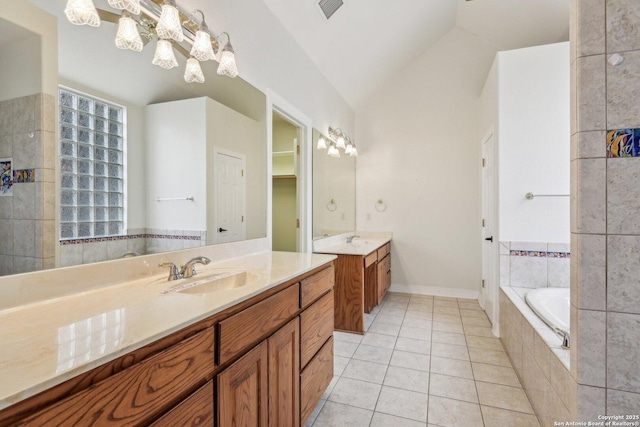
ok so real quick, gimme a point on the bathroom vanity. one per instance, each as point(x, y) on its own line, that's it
point(257, 353)
point(363, 276)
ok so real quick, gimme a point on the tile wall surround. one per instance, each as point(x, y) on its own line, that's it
point(538, 358)
point(27, 218)
point(140, 241)
point(535, 264)
point(605, 319)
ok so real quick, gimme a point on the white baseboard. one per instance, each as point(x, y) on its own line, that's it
point(435, 291)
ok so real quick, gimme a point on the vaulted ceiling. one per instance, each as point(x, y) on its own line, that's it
point(366, 41)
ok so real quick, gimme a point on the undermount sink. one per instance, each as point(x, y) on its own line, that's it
point(212, 281)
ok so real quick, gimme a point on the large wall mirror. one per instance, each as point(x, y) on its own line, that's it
point(134, 159)
point(334, 192)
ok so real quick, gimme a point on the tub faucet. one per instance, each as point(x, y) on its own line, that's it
point(350, 238)
point(566, 337)
point(189, 268)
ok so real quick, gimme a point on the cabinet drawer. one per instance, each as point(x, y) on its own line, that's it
point(386, 264)
point(196, 410)
point(313, 287)
point(370, 259)
point(316, 325)
point(246, 328)
point(139, 393)
point(383, 251)
point(315, 379)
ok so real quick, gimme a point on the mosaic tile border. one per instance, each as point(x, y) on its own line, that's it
point(128, 237)
point(623, 143)
point(540, 254)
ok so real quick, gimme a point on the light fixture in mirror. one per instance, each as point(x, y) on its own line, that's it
point(170, 24)
point(193, 72)
point(337, 140)
point(132, 6)
point(82, 12)
point(88, 69)
point(164, 56)
point(334, 192)
point(128, 36)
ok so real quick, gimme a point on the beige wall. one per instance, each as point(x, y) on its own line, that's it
point(419, 152)
point(605, 244)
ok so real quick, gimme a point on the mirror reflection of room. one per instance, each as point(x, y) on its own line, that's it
point(137, 154)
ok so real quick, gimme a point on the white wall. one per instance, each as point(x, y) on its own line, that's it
point(177, 164)
point(419, 152)
point(20, 68)
point(534, 143)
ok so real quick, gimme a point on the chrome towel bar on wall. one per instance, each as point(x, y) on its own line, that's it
point(531, 196)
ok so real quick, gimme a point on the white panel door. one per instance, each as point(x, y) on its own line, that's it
point(229, 204)
point(489, 290)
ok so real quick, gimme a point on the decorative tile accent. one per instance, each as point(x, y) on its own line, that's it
point(541, 254)
point(128, 237)
point(24, 175)
point(6, 177)
point(623, 143)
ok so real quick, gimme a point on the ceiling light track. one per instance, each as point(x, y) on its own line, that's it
point(165, 21)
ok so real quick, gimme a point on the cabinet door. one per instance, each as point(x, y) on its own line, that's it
point(382, 281)
point(284, 369)
point(243, 392)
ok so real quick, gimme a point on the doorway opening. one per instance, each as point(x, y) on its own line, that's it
point(284, 175)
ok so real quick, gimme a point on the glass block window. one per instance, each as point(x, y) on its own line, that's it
point(91, 167)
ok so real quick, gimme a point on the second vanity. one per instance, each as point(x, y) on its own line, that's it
point(257, 351)
point(363, 275)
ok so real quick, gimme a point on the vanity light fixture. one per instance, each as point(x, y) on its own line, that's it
point(202, 49)
point(128, 36)
point(132, 6)
point(338, 139)
point(164, 56)
point(193, 72)
point(82, 12)
point(227, 60)
point(169, 24)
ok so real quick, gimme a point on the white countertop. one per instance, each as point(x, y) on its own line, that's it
point(364, 244)
point(48, 341)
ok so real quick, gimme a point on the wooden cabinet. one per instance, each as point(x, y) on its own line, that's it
point(258, 379)
point(243, 390)
point(362, 281)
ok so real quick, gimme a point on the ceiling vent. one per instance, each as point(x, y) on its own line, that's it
point(329, 7)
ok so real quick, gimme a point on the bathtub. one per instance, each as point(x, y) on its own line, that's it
point(552, 305)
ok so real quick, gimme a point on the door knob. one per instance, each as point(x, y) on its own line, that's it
point(489, 239)
point(221, 229)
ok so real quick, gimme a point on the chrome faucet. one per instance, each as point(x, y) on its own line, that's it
point(566, 337)
point(174, 273)
point(189, 268)
point(350, 238)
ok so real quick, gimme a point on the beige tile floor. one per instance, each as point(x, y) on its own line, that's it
point(424, 361)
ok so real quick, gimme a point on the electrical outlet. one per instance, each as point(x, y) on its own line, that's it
point(368, 216)
point(343, 216)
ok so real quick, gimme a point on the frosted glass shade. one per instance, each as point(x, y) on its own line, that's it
point(354, 152)
point(132, 6)
point(128, 36)
point(333, 151)
point(82, 12)
point(322, 144)
point(202, 49)
point(164, 56)
point(349, 149)
point(169, 26)
point(340, 142)
point(228, 65)
point(193, 72)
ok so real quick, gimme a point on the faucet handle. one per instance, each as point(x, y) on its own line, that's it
point(174, 273)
